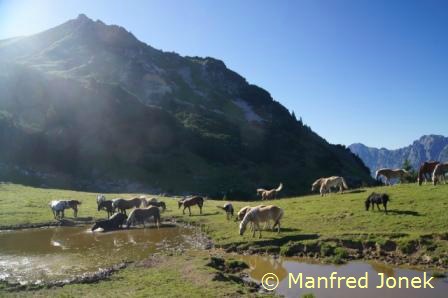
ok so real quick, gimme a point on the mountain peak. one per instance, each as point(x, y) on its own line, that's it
point(83, 17)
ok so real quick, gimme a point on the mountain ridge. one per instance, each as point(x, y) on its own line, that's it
point(427, 147)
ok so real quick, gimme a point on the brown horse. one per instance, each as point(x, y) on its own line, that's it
point(426, 168)
point(391, 174)
point(141, 215)
point(187, 203)
point(123, 204)
point(107, 206)
point(439, 173)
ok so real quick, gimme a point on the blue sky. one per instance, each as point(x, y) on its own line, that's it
point(374, 71)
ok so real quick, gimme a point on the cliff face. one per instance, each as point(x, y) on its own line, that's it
point(92, 107)
point(429, 147)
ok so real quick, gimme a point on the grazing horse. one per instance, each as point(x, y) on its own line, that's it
point(141, 215)
point(316, 184)
point(187, 203)
point(155, 203)
point(107, 206)
point(271, 194)
point(334, 181)
point(439, 173)
point(113, 223)
point(376, 198)
point(258, 215)
point(426, 168)
point(58, 207)
point(123, 204)
point(391, 174)
point(228, 208)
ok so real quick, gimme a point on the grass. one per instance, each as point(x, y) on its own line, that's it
point(417, 217)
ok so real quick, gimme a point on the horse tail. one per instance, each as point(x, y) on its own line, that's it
point(279, 188)
point(343, 183)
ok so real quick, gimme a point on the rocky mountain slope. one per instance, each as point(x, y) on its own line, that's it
point(428, 147)
point(87, 105)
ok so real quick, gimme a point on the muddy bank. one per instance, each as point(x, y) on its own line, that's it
point(396, 251)
point(88, 278)
point(66, 222)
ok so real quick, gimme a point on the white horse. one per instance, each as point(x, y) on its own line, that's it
point(334, 181)
point(258, 215)
point(58, 207)
point(439, 173)
point(100, 198)
point(391, 174)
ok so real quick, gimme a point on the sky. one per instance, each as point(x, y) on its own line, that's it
point(374, 72)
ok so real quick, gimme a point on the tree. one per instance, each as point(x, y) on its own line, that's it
point(412, 173)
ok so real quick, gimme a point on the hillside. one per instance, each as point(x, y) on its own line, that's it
point(88, 106)
point(428, 147)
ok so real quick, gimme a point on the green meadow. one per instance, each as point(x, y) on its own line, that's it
point(417, 223)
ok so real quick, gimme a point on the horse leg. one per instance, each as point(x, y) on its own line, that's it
point(75, 212)
point(200, 209)
point(378, 206)
point(385, 207)
point(189, 210)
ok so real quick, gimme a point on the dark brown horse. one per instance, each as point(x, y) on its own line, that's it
point(426, 168)
point(114, 223)
point(107, 206)
point(187, 203)
point(123, 204)
point(377, 199)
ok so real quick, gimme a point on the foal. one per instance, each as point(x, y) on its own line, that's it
point(376, 198)
point(187, 203)
point(228, 208)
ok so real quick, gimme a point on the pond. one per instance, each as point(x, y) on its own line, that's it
point(53, 254)
point(282, 267)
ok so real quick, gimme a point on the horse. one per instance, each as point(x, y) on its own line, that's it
point(334, 181)
point(426, 168)
point(107, 206)
point(100, 198)
point(257, 215)
point(187, 203)
point(58, 207)
point(228, 208)
point(316, 184)
point(140, 215)
point(123, 204)
point(260, 191)
point(391, 174)
point(155, 203)
point(113, 223)
point(376, 198)
point(439, 173)
point(271, 194)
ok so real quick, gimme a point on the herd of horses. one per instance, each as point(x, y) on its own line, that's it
point(145, 209)
point(429, 170)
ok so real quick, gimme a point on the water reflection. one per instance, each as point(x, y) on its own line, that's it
point(56, 253)
point(282, 267)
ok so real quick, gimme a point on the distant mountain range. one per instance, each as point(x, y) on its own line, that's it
point(428, 147)
point(88, 106)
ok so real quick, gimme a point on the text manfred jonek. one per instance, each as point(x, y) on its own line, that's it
point(335, 282)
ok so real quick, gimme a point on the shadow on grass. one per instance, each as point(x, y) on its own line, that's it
point(404, 212)
point(203, 214)
point(354, 191)
point(275, 242)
